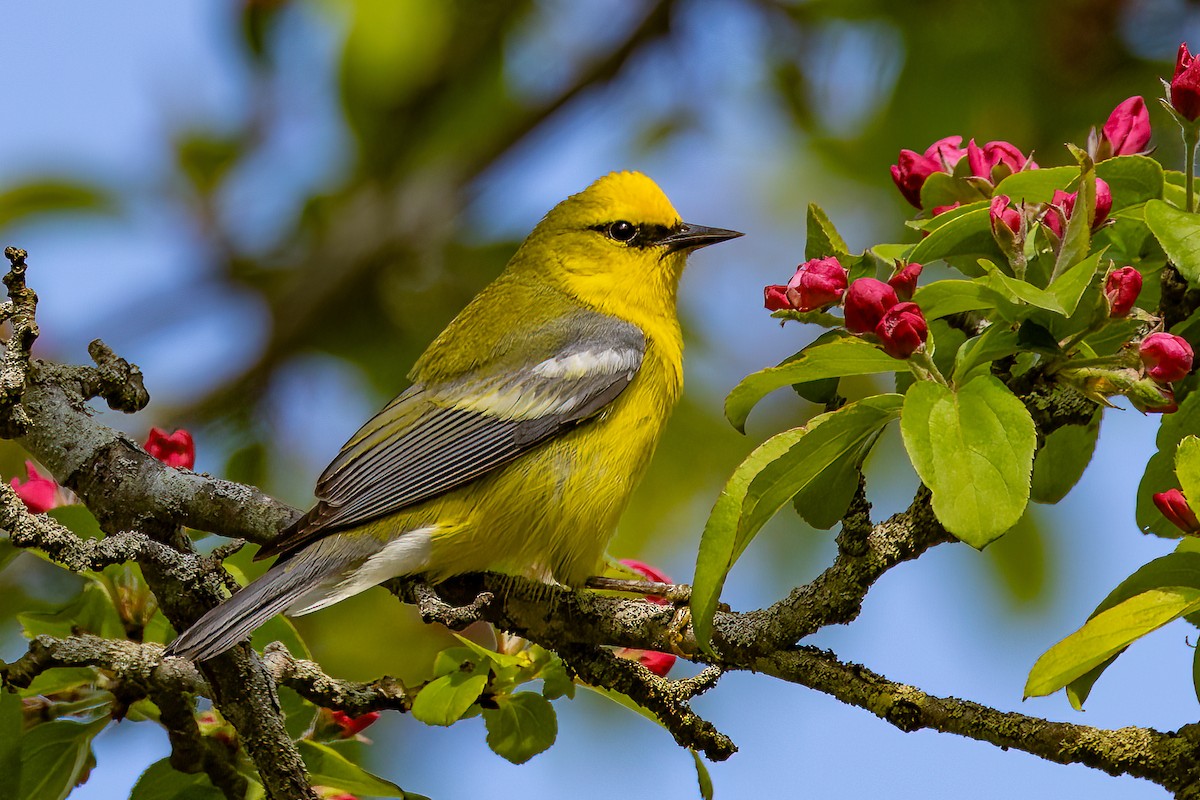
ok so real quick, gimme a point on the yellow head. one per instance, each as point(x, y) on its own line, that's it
point(618, 246)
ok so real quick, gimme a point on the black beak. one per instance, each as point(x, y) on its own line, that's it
point(690, 237)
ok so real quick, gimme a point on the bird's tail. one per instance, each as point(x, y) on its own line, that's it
point(239, 616)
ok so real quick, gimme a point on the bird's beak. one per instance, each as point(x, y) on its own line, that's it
point(690, 237)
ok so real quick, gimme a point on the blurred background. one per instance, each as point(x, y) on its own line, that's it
point(273, 206)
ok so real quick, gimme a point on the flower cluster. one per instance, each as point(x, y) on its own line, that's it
point(871, 306)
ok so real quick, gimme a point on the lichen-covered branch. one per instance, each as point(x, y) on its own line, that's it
point(1168, 759)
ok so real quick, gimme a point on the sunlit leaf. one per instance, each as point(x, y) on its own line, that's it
point(974, 450)
point(823, 238)
point(1178, 232)
point(161, 781)
point(445, 700)
point(55, 756)
point(328, 767)
point(845, 356)
point(1106, 634)
point(1176, 569)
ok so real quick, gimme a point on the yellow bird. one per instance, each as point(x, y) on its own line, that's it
point(529, 422)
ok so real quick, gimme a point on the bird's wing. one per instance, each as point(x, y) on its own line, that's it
point(435, 437)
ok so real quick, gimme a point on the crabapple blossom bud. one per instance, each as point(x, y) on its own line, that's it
point(1185, 85)
point(817, 283)
point(1127, 131)
point(912, 169)
point(995, 161)
point(902, 330)
point(775, 298)
point(1167, 357)
point(1121, 288)
point(39, 492)
point(866, 301)
point(175, 449)
point(905, 281)
point(1174, 506)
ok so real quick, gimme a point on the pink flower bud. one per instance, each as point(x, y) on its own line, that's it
point(905, 281)
point(902, 330)
point(39, 493)
point(174, 450)
point(775, 298)
point(658, 663)
point(1001, 213)
point(1185, 85)
point(1062, 206)
point(1167, 357)
point(995, 161)
point(352, 726)
point(943, 209)
point(1174, 506)
point(1122, 288)
point(816, 284)
point(1127, 131)
point(912, 169)
point(866, 301)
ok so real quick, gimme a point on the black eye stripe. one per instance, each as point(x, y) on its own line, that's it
point(631, 234)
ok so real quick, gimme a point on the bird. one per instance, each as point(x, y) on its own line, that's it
point(527, 424)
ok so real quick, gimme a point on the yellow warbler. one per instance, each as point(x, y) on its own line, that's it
point(529, 421)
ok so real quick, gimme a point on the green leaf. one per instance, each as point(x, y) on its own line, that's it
point(1133, 180)
point(10, 744)
point(967, 235)
point(521, 726)
point(779, 468)
point(702, 776)
point(823, 238)
point(444, 701)
point(556, 680)
point(941, 189)
point(1060, 463)
point(821, 465)
point(1018, 290)
point(1108, 633)
point(1069, 287)
point(1160, 469)
point(55, 756)
point(997, 341)
point(1187, 468)
point(161, 781)
point(943, 298)
point(1077, 236)
point(1176, 569)
point(1178, 232)
point(1037, 185)
point(328, 767)
point(49, 197)
point(91, 611)
point(846, 356)
point(974, 450)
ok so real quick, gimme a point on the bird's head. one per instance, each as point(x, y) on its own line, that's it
point(618, 242)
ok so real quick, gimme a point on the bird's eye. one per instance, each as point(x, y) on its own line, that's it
point(622, 231)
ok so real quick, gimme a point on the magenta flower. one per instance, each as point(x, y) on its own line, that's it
point(1127, 131)
point(912, 169)
point(1121, 289)
point(39, 492)
point(905, 281)
point(174, 450)
point(1167, 357)
point(866, 301)
point(1174, 506)
point(995, 161)
point(902, 330)
point(1185, 85)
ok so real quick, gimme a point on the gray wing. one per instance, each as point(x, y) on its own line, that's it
point(432, 439)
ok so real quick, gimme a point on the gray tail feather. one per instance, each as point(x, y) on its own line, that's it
point(239, 616)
